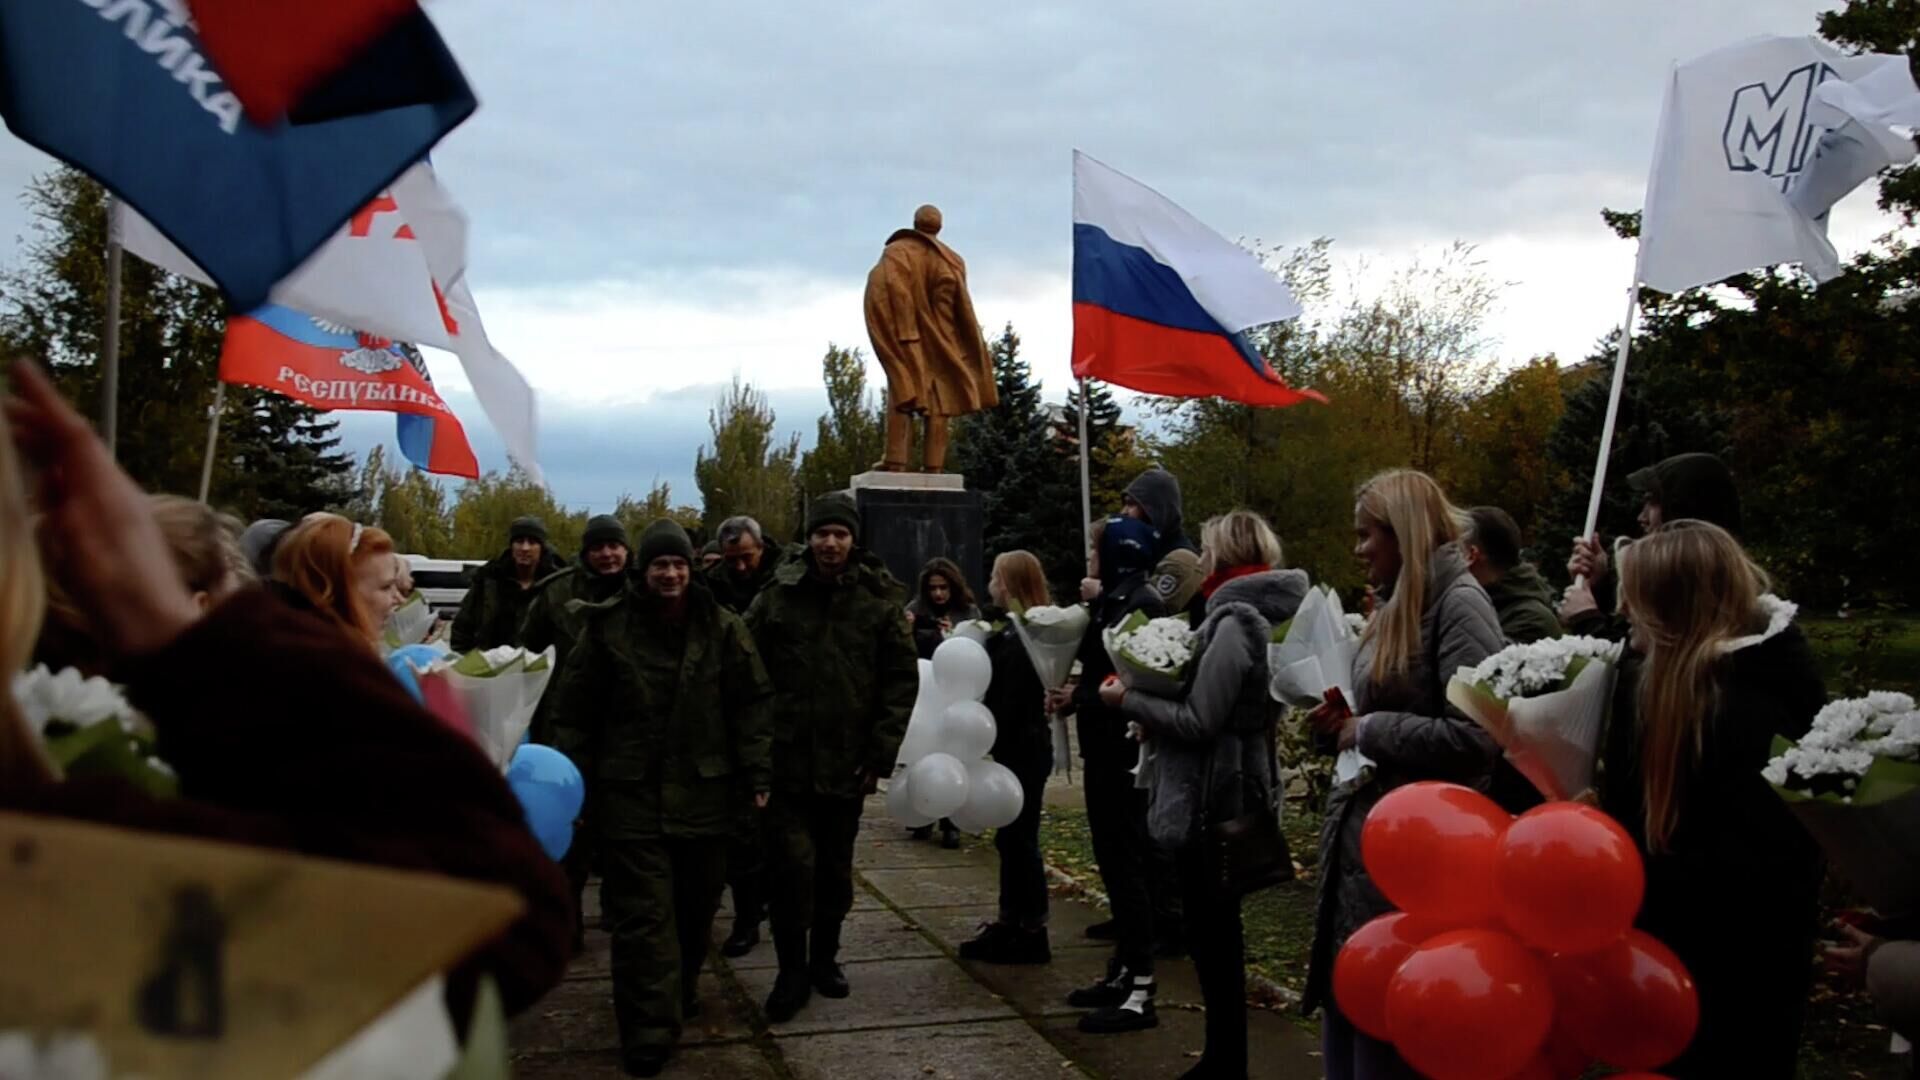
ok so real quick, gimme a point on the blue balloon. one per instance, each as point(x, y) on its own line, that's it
point(403, 660)
point(550, 791)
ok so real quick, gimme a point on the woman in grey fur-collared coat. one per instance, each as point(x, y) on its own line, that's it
point(1436, 619)
point(1214, 758)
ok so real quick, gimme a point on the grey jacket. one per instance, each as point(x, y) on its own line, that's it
point(1411, 734)
point(1213, 758)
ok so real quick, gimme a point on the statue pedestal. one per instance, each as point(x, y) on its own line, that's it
point(910, 518)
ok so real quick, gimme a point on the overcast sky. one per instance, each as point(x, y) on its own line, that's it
point(665, 195)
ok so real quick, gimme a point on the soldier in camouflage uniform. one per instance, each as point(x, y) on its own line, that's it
point(833, 631)
point(747, 563)
point(665, 706)
point(497, 599)
point(554, 619)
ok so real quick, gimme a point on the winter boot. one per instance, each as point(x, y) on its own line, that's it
point(1004, 943)
point(791, 988)
point(828, 979)
point(1110, 991)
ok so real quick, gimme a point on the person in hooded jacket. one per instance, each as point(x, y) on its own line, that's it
point(665, 704)
point(1694, 486)
point(1023, 743)
point(1154, 497)
point(1121, 1000)
point(1433, 620)
point(1521, 597)
point(496, 603)
point(832, 629)
point(1215, 759)
point(555, 618)
point(1733, 881)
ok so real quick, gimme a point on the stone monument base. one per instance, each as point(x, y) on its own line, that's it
point(911, 518)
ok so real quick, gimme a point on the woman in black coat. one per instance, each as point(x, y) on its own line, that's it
point(1022, 742)
point(942, 602)
point(1732, 880)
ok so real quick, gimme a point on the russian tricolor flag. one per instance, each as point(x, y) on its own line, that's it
point(1161, 302)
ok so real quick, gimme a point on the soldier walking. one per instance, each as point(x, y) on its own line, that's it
point(664, 705)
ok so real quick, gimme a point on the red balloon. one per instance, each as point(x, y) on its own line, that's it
point(1569, 878)
point(1568, 1061)
point(1470, 1004)
point(1537, 1069)
point(1631, 1005)
point(1431, 847)
point(1367, 963)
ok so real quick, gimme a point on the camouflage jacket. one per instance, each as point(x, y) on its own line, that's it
point(553, 619)
point(666, 719)
point(496, 605)
point(844, 674)
point(738, 596)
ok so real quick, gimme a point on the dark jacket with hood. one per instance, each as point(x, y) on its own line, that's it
point(667, 717)
point(496, 606)
point(1697, 486)
point(844, 674)
point(1213, 754)
point(1524, 602)
point(1411, 733)
point(1176, 576)
point(1127, 587)
point(1736, 892)
point(555, 618)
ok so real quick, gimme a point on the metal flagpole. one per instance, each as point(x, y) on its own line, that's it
point(1086, 479)
point(213, 437)
point(110, 335)
point(1613, 406)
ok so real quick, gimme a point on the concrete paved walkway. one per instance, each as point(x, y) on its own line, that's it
point(917, 1013)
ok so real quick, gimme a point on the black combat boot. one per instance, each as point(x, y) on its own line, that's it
point(792, 989)
point(828, 979)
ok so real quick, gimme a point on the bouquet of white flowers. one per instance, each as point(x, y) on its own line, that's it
point(973, 630)
point(89, 729)
point(1313, 656)
point(410, 623)
point(1151, 654)
point(1546, 704)
point(1854, 783)
point(1052, 636)
point(500, 690)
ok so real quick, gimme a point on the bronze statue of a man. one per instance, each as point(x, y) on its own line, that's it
point(923, 329)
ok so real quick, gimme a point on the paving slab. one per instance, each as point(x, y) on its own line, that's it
point(890, 993)
point(949, 886)
point(866, 935)
point(1067, 932)
point(578, 1016)
point(998, 1050)
point(917, 855)
point(744, 1062)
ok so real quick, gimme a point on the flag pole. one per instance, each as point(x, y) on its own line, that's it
point(110, 336)
point(1613, 407)
point(213, 437)
point(1086, 479)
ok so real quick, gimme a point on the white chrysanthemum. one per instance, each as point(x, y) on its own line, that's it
point(45, 697)
point(501, 656)
point(1161, 644)
point(1845, 738)
point(1520, 670)
point(1047, 616)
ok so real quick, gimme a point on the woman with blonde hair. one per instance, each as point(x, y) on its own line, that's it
point(284, 735)
point(1023, 742)
point(1215, 761)
point(342, 569)
point(205, 545)
point(1732, 880)
point(1433, 619)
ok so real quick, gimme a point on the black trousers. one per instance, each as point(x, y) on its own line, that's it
point(1126, 854)
point(658, 898)
point(1217, 942)
point(810, 859)
point(1023, 871)
point(747, 872)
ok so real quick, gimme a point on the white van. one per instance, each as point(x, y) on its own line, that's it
point(443, 581)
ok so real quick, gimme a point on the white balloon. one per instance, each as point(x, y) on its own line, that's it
point(923, 729)
point(900, 804)
point(964, 821)
point(962, 670)
point(967, 731)
point(994, 795)
point(937, 785)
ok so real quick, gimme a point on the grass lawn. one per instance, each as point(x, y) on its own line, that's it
point(1843, 1039)
point(1866, 652)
